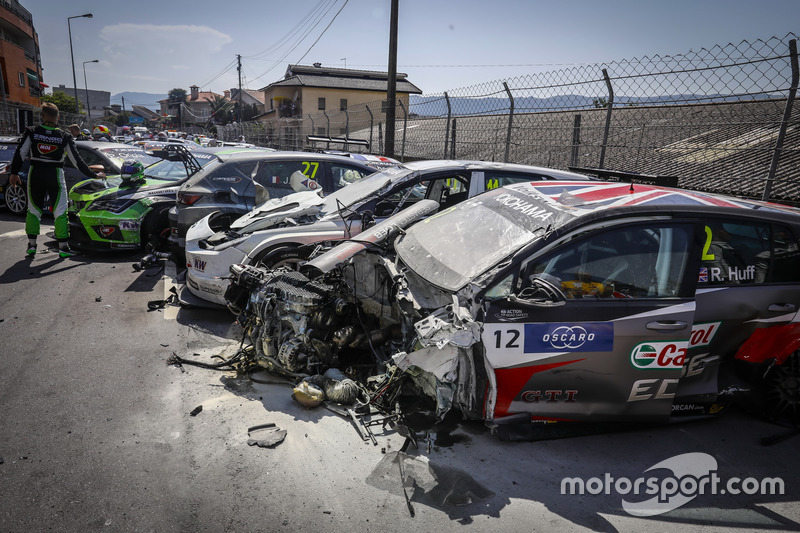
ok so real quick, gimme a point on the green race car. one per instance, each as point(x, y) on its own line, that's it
point(131, 210)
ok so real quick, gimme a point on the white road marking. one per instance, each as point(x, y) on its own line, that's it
point(15, 233)
point(169, 278)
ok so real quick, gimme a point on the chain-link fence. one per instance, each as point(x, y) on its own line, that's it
point(720, 119)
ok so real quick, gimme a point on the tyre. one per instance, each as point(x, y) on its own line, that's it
point(155, 229)
point(16, 200)
point(287, 256)
point(782, 391)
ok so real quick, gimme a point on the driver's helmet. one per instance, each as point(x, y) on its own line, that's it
point(101, 130)
point(86, 132)
point(132, 170)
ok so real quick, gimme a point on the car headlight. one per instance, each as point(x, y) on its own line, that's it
point(114, 206)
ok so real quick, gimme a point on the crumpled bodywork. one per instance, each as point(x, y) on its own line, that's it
point(364, 316)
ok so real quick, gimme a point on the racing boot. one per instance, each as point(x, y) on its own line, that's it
point(31, 251)
point(65, 251)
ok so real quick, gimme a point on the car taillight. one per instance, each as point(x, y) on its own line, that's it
point(188, 199)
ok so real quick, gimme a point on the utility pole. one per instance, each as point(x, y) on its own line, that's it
point(123, 104)
point(239, 68)
point(391, 86)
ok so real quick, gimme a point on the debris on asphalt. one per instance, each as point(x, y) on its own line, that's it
point(307, 394)
point(98, 299)
point(265, 436)
point(196, 411)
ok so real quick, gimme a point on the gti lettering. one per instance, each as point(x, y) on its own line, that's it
point(552, 396)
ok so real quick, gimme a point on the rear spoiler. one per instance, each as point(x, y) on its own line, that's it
point(337, 140)
point(178, 152)
point(629, 177)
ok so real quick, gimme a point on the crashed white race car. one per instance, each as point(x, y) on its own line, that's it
point(286, 231)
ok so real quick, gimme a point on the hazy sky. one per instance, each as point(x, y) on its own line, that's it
point(154, 46)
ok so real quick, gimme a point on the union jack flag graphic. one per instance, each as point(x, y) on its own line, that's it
point(703, 277)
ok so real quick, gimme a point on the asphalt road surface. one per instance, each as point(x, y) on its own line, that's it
point(96, 434)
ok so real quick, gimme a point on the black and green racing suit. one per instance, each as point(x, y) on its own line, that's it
point(47, 146)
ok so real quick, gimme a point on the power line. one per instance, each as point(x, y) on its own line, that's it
point(323, 31)
point(280, 60)
point(294, 31)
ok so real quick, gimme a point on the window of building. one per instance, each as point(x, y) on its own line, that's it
point(343, 104)
point(321, 104)
point(321, 131)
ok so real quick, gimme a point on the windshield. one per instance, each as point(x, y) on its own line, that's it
point(170, 170)
point(365, 187)
point(451, 248)
point(118, 155)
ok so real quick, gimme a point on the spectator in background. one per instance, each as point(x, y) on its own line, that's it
point(75, 130)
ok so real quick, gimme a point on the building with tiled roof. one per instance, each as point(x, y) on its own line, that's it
point(196, 109)
point(316, 89)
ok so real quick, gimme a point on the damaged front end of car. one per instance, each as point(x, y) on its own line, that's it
point(356, 309)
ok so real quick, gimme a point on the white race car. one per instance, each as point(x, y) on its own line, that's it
point(286, 231)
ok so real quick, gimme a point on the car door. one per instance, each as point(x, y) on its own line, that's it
point(612, 345)
point(749, 279)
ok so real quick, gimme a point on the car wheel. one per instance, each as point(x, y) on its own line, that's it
point(782, 391)
point(16, 199)
point(281, 257)
point(155, 229)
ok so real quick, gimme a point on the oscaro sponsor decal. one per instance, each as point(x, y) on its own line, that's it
point(561, 337)
point(663, 354)
point(227, 179)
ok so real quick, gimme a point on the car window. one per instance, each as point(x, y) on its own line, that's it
point(90, 158)
point(735, 253)
point(785, 256)
point(345, 175)
point(7, 152)
point(623, 262)
point(445, 190)
point(495, 179)
point(275, 176)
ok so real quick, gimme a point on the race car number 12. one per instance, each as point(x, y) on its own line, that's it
point(511, 335)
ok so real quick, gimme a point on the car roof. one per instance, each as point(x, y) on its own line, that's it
point(458, 164)
point(578, 199)
point(259, 154)
point(101, 144)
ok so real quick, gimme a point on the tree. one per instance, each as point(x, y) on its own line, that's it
point(65, 103)
point(220, 109)
point(600, 103)
point(121, 119)
point(177, 95)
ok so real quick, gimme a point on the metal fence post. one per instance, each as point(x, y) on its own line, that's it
point(787, 115)
point(346, 128)
point(510, 120)
point(405, 128)
point(371, 125)
point(447, 126)
point(576, 140)
point(609, 106)
point(328, 129)
point(380, 137)
point(453, 140)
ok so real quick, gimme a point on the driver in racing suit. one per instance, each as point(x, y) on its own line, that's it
point(47, 146)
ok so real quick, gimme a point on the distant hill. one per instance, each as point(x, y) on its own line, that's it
point(148, 100)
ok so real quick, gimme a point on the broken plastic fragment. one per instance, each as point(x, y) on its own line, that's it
point(265, 435)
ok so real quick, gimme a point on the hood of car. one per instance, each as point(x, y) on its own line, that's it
point(306, 204)
point(114, 188)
